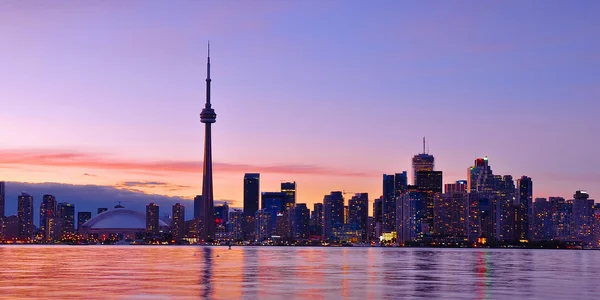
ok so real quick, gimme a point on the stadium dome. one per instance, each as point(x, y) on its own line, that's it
point(119, 218)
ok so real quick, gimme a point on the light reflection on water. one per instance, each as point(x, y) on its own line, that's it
point(188, 272)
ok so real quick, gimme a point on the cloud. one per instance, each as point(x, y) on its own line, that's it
point(132, 185)
point(88, 174)
point(56, 158)
point(91, 197)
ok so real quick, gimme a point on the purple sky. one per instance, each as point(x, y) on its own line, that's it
point(328, 93)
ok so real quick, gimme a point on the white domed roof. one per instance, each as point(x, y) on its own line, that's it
point(119, 218)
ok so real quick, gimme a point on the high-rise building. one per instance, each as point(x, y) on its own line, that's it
point(459, 186)
point(289, 188)
point(236, 224)
point(300, 221)
point(101, 210)
point(542, 220)
point(429, 181)
point(562, 218)
point(273, 201)
point(251, 193)
point(222, 214)
point(389, 203)
point(25, 216)
point(317, 218)
point(152, 215)
point(358, 213)
point(422, 162)
point(208, 117)
point(480, 177)
point(178, 231)
point(82, 217)
point(378, 209)
point(400, 183)
point(198, 205)
point(47, 216)
point(524, 213)
point(583, 216)
point(406, 221)
point(451, 212)
point(264, 225)
point(66, 214)
point(333, 213)
point(2, 199)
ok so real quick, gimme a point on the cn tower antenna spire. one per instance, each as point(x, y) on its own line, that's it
point(424, 145)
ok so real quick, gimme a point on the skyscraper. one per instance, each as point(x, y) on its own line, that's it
point(47, 215)
point(422, 162)
point(208, 116)
point(178, 221)
point(66, 214)
point(317, 217)
point(542, 220)
point(583, 215)
point(82, 217)
point(333, 213)
point(429, 181)
point(222, 214)
point(300, 221)
point(524, 213)
point(289, 188)
point(2, 199)
point(251, 193)
point(389, 203)
point(358, 213)
point(25, 216)
point(152, 219)
point(198, 205)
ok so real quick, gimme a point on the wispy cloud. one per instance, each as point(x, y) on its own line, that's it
point(57, 158)
point(136, 185)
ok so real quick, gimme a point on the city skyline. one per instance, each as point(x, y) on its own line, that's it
point(149, 140)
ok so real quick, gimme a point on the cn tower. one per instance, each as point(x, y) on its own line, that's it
point(208, 116)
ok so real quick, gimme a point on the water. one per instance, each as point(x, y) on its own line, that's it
point(188, 272)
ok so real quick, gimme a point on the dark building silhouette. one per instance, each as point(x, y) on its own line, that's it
point(198, 207)
point(583, 216)
point(178, 226)
point(25, 216)
point(542, 220)
point(152, 212)
point(524, 213)
point(289, 188)
point(273, 201)
point(389, 203)
point(47, 216)
point(221, 214)
point(251, 193)
point(317, 219)
point(422, 162)
point(358, 213)
point(66, 214)
point(378, 210)
point(429, 181)
point(333, 213)
point(2, 199)
point(82, 217)
point(300, 221)
point(208, 117)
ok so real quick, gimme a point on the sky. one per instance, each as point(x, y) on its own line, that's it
point(330, 94)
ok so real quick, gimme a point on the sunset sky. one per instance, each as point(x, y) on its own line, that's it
point(330, 94)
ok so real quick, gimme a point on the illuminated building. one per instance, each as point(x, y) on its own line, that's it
point(596, 231)
point(119, 223)
point(480, 177)
point(300, 221)
point(47, 215)
point(451, 214)
point(236, 224)
point(2, 199)
point(222, 214)
point(358, 213)
point(377, 209)
point(10, 227)
point(317, 220)
point(422, 162)
point(333, 213)
point(562, 218)
point(524, 200)
point(263, 225)
point(289, 188)
point(406, 227)
point(101, 210)
point(82, 217)
point(251, 201)
point(542, 220)
point(583, 215)
point(152, 221)
point(273, 201)
point(283, 225)
point(459, 186)
point(65, 212)
point(178, 227)
point(25, 216)
point(429, 181)
point(371, 226)
point(347, 233)
point(389, 203)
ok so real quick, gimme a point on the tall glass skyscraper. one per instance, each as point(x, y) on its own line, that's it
point(25, 216)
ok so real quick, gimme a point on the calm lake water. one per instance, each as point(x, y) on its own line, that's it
point(188, 272)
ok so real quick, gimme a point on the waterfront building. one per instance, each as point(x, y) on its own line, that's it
point(236, 224)
point(317, 219)
point(358, 213)
point(583, 216)
point(389, 203)
point(222, 214)
point(120, 223)
point(289, 188)
point(524, 212)
point(406, 226)
point(251, 193)
point(25, 216)
point(198, 206)
point(178, 226)
point(542, 220)
point(333, 213)
point(263, 225)
point(66, 214)
point(562, 218)
point(152, 219)
point(47, 217)
point(82, 217)
point(451, 214)
point(300, 222)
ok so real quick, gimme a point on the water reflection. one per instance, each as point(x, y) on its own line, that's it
point(114, 272)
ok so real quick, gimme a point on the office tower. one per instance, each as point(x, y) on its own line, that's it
point(389, 203)
point(300, 222)
point(251, 193)
point(542, 220)
point(480, 177)
point(524, 200)
point(82, 217)
point(101, 210)
point(236, 224)
point(406, 222)
point(47, 216)
point(333, 213)
point(198, 205)
point(562, 218)
point(422, 162)
point(317, 217)
point(459, 186)
point(269, 200)
point(451, 212)
point(371, 227)
point(289, 188)
point(263, 220)
point(400, 183)
point(429, 181)
point(222, 214)
point(66, 215)
point(358, 213)
point(178, 231)
point(208, 117)
point(583, 216)
point(378, 209)
point(152, 213)
point(25, 216)
point(2, 199)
